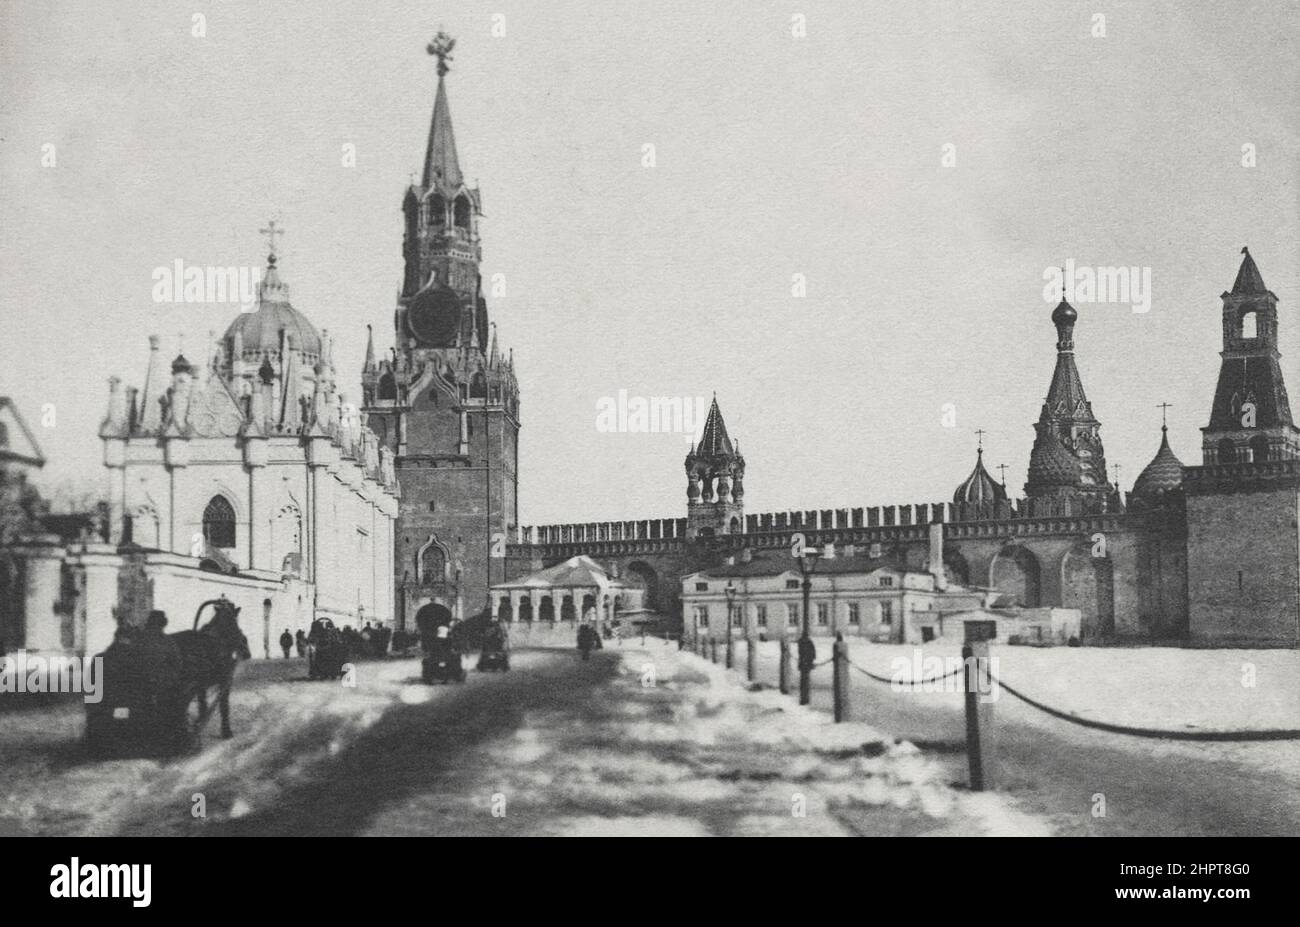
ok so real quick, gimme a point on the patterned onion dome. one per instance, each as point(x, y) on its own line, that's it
point(1051, 463)
point(979, 487)
point(260, 330)
point(1164, 473)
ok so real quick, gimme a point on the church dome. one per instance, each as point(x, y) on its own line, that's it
point(1164, 473)
point(979, 487)
point(1051, 463)
point(259, 331)
point(1064, 312)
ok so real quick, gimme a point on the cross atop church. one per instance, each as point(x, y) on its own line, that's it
point(440, 48)
point(1164, 408)
point(270, 232)
point(1002, 468)
point(981, 432)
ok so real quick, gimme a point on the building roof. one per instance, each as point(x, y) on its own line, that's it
point(979, 487)
point(714, 441)
point(1249, 280)
point(17, 443)
point(777, 564)
point(441, 165)
point(576, 572)
point(260, 331)
point(1164, 473)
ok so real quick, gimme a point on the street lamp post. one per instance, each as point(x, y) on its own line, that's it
point(807, 561)
point(731, 615)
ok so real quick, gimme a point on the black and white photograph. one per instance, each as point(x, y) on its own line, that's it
point(732, 419)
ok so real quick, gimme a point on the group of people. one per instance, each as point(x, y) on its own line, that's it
point(371, 641)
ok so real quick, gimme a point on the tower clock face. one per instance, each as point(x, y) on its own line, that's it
point(434, 315)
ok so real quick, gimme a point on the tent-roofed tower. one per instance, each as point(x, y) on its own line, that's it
point(715, 481)
point(1243, 502)
point(1250, 421)
point(447, 399)
point(1067, 461)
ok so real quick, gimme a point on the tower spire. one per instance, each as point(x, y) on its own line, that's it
point(441, 165)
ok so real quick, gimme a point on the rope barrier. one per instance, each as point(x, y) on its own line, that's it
point(1220, 736)
point(910, 683)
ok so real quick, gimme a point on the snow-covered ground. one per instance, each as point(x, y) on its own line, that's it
point(638, 741)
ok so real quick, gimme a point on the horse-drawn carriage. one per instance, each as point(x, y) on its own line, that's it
point(156, 686)
point(326, 650)
point(441, 641)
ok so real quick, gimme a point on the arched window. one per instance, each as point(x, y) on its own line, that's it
point(462, 213)
point(478, 386)
point(1227, 451)
point(1249, 325)
point(1258, 449)
point(219, 523)
point(433, 564)
point(437, 210)
point(387, 387)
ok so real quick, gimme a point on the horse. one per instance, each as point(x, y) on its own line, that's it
point(208, 658)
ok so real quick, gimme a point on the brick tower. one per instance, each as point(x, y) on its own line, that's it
point(1243, 503)
point(446, 401)
point(715, 481)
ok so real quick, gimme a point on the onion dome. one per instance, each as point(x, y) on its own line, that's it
point(261, 331)
point(1064, 313)
point(1163, 474)
point(181, 365)
point(1051, 463)
point(979, 487)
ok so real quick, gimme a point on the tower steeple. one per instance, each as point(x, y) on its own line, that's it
point(1250, 421)
point(1068, 459)
point(441, 165)
point(715, 481)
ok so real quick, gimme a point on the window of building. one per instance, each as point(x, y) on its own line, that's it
point(793, 612)
point(823, 613)
point(701, 587)
point(702, 616)
point(433, 564)
point(433, 506)
point(886, 612)
point(855, 613)
point(761, 615)
point(886, 581)
point(737, 616)
point(792, 584)
point(219, 523)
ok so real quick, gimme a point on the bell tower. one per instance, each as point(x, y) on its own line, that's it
point(446, 399)
point(1251, 418)
point(1243, 502)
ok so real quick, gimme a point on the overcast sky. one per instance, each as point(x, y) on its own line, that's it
point(775, 155)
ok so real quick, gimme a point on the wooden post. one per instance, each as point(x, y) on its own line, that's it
point(751, 658)
point(785, 667)
point(713, 648)
point(979, 704)
point(840, 684)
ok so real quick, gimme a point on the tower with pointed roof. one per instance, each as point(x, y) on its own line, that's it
point(715, 481)
point(1067, 462)
point(1250, 421)
point(1243, 502)
point(445, 400)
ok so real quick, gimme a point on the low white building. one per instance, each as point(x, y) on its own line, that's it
point(851, 594)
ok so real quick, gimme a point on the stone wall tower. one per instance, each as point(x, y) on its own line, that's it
point(1243, 502)
point(447, 400)
point(715, 481)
